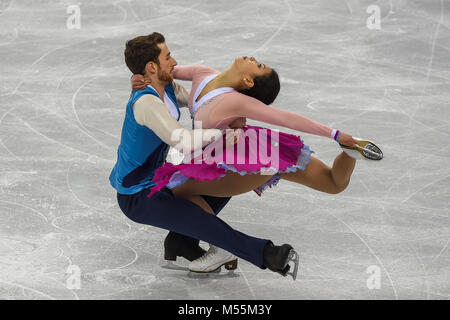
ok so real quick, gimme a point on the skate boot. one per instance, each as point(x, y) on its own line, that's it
point(213, 260)
point(277, 259)
point(363, 150)
point(178, 245)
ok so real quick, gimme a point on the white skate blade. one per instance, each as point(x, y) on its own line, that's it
point(373, 154)
point(213, 275)
point(204, 273)
point(172, 266)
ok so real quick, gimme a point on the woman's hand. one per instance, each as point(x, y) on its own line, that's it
point(138, 82)
point(238, 123)
point(347, 140)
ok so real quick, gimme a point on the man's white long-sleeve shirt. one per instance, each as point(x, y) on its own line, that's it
point(153, 113)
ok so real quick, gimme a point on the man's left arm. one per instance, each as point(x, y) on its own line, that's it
point(181, 94)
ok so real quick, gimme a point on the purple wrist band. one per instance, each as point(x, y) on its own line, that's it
point(337, 135)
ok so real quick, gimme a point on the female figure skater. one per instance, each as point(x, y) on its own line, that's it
point(225, 100)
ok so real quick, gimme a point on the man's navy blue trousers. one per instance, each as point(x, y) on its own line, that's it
point(164, 210)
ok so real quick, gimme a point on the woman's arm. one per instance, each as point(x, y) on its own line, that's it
point(239, 105)
point(139, 82)
point(188, 73)
point(184, 72)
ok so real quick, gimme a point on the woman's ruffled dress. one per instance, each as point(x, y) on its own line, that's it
point(257, 151)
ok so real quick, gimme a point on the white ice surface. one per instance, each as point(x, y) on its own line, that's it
point(62, 99)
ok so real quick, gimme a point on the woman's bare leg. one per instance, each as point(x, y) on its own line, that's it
point(198, 200)
point(319, 176)
point(231, 184)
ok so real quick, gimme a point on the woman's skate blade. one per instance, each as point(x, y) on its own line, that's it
point(364, 150)
point(374, 152)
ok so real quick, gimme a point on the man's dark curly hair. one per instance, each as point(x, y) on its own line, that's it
point(140, 50)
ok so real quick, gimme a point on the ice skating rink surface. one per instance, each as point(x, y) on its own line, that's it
point(62, 97)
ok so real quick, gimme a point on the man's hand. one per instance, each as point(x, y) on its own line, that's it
point(138, 82)
point(347, 140)
point(232, 136)
point(238, 123)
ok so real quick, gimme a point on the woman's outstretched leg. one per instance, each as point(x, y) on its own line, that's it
point(317, 175)
point(321, 177)
point(230, 185)
point(201, 202)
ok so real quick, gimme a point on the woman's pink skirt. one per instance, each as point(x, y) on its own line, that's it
point(257, 151)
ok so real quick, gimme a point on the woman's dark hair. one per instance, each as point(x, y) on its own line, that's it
point(140, 50)
point(265, 88)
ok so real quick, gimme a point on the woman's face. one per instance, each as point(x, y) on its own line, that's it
point(249, 66)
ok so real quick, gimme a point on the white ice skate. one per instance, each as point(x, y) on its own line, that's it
point(213, 260)
point(363, 150)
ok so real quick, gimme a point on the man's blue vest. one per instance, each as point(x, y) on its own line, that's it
point(140, 151)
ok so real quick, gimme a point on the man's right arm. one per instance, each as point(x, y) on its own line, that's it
point(151, 112)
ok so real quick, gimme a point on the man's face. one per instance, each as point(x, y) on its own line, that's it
point(166, 64)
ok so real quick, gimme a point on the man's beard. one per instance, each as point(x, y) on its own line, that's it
point(165, 76)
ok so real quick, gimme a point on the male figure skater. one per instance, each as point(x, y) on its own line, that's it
point(151, 119)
